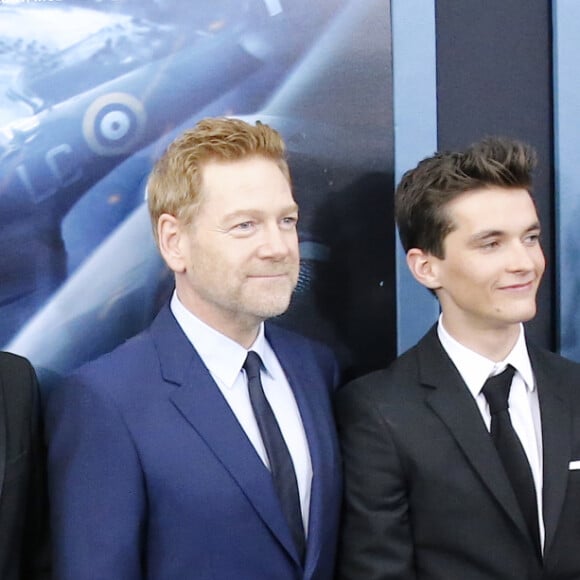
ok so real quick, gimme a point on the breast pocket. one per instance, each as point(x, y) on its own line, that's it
point(573, 478)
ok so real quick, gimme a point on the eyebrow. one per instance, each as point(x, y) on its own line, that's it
point(256, 211)
point(487, 234)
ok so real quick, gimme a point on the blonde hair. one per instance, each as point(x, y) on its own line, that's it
point(174, 185)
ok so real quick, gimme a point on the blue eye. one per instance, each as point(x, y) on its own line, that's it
point(289, 221)
point(533, 238)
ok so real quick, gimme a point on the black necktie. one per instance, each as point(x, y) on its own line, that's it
point(281, 465)
point(511, 452)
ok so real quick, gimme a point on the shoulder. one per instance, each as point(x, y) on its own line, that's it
point(131, 356)
point(557, 371)
point(19, 390)
point(16, 365)
point(138, 354)
point(111, 378)
point(386, 390)
point(295, 351)
point(17, 378)
point(101, 392)
point(134, 372)
point(292, 342)
point(547, 359)
point(403, 372)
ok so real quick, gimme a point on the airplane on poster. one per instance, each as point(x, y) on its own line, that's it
point(49, 160)
point(339, 153)
point(52, 159)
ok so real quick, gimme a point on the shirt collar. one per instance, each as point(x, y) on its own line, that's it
point(222, 356)
point(475, 369)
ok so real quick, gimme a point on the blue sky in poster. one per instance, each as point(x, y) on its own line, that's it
point(415, 112)
point(567, 170)
point(89, 99)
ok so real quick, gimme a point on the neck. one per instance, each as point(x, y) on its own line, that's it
point(243, 336)
point(239, 327)
point(492, 343)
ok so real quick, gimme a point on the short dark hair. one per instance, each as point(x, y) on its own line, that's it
point(422, 196)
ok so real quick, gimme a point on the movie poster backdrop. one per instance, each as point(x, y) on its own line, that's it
point(567, 171)
point(91, 93)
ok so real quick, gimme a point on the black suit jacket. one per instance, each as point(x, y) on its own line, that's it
point(23, 553)
point(426, 496)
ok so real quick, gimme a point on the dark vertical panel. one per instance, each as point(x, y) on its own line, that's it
point(494, 77)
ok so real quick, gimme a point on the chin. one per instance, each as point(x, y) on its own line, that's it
point(271, 309)
point(522, 315)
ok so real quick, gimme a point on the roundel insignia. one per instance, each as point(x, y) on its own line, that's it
point(114, 123)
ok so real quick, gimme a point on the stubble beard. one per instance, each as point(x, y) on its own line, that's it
point(270, 303)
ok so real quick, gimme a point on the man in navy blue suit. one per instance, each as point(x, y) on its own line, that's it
point(159, 467)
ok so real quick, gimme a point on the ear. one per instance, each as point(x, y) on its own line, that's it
point(423, 266)
point(172, 237)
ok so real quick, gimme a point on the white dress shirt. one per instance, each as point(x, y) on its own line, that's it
point(224, 359)
point(524, 407)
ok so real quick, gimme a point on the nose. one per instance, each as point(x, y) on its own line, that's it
point(524, 258)
point(277, 243)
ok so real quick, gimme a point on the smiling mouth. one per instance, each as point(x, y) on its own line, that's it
point(519, 287)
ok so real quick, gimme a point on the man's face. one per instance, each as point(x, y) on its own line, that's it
point(241, 250)
point(493, 261)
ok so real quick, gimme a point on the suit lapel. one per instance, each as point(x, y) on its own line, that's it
point(451, 400)
point(202, 405)
point(319, 430)
point(556, 440)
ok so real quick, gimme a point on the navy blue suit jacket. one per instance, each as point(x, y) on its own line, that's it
point(151, 476)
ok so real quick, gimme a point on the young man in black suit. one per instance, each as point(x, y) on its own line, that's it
point(23, 549)
point(443, 480)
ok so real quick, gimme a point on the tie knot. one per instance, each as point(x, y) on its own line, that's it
point(497, 389)
point(252, 365)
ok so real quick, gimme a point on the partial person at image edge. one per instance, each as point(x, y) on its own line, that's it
point(23, 504)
